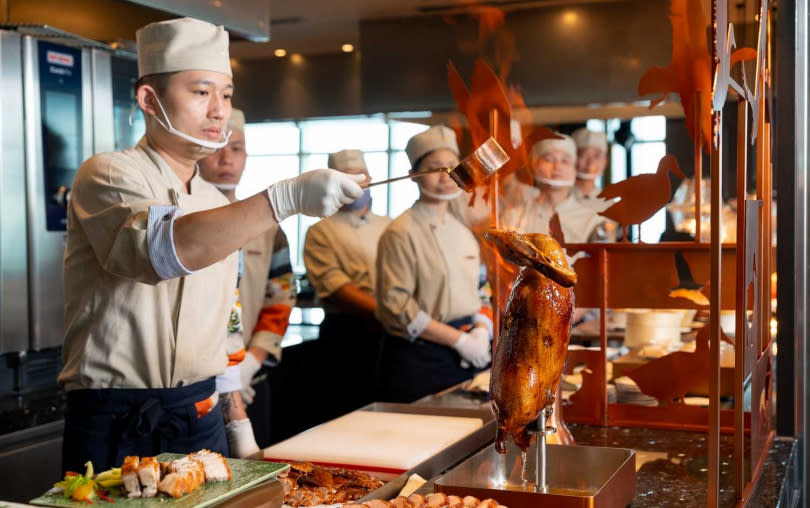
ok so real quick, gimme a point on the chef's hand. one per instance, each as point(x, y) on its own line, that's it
point(241, 440)
point(317, 193)
point(247, 369)
point(474, 348)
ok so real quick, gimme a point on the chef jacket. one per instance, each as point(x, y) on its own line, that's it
point(579, 220)
point(342, 249)
point(127, 326)
point(267, 291)
point(426, 270)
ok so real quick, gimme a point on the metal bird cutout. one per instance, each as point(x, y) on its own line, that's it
point(690, 70)
point(641, 195)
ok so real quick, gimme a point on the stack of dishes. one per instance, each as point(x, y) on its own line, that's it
point(628, 392)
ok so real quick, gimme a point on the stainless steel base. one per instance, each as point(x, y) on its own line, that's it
point(577, 476)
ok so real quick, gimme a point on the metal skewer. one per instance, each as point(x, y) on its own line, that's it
point(409, 177)
point(471, 172)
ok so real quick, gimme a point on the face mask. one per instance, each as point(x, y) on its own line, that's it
point(442, 197)
point(359, 204)
point(587, 176)
point(212, 145)
point(552, 182)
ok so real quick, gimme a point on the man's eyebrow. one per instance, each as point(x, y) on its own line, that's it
point(208, 82)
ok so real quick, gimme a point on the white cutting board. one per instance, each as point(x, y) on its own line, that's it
point(375, 440)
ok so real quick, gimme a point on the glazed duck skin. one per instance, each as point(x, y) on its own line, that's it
point(533, 342)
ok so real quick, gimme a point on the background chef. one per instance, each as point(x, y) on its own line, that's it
point(151, 264)
point(591, 162)
point(340, 254)
point(553, 164)
point(428, 277)
point(261, 312)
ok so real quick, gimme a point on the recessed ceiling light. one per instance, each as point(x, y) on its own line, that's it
point(347, 48)
point(296, 58)
point(280, 52)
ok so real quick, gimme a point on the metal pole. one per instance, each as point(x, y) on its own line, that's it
point(494, 223)
point(739, 345)
point(715, 304)
point(540, 483)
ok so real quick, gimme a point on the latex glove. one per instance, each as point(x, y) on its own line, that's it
point(241, 440)
point(474, 348)
point(247, 369)
point(317, 193)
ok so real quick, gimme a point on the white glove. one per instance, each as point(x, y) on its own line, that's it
point(241, 440)
point(474, 348)
point(247, 369)
point(317, 193)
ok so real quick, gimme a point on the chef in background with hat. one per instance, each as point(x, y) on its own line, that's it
point(553, 163)
point(437, 326)
point(151, 264)
point(261, 310)
point(340, 254)
point(591, 162)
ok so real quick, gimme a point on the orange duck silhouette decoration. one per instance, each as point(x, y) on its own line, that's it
point(685, 371)
point(641, 195)
point(689, 71)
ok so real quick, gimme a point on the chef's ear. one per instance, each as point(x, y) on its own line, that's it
point(147, 101)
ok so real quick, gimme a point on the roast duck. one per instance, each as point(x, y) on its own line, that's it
point(533, 342)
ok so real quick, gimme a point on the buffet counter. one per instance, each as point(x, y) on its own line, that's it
point(671, 465)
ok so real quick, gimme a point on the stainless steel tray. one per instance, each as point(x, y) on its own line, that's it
point(578, 476)
point(445, 459)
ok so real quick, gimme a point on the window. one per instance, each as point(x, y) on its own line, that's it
point(636, 147)
point(281, 150)
point(649, 133)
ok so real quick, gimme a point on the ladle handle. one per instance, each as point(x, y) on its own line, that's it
point(409, 176)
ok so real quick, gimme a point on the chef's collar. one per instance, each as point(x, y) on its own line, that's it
point(173, 180)
point(353, 219)
point(426, 214)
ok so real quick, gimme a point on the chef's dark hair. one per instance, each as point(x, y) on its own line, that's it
point(160, 82)
point(419, 161)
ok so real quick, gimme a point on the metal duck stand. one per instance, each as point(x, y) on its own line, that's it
point(540, 476)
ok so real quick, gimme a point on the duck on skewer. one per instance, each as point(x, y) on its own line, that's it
point(533, 343)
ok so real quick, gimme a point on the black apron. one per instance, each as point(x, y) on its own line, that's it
point(108, 424)
point(412, 370)
point(349, 351)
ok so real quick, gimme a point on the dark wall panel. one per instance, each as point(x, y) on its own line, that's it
point(319, 85)
point(584, 54)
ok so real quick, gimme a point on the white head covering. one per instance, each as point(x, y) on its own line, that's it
point(435, 138)
point(585, 138)
point(347, 159)
point(184, 44)
point(547, 145)
point(237, 120)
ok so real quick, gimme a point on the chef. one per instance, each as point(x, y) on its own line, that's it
point(151, 264)
point(591, 162)
point(437, 332)
point(261, 311)
point(340, 254)
point(553, 163)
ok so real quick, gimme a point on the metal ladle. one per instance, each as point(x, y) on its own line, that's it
point(474, 170)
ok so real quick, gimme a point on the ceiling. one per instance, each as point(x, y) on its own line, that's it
point(323, 26)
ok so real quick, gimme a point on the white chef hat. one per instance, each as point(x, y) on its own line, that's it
point(345, 160)
point(585, 138)
point(237, 120)
point(566, 144)
point(184, 44)
point(435, 138)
